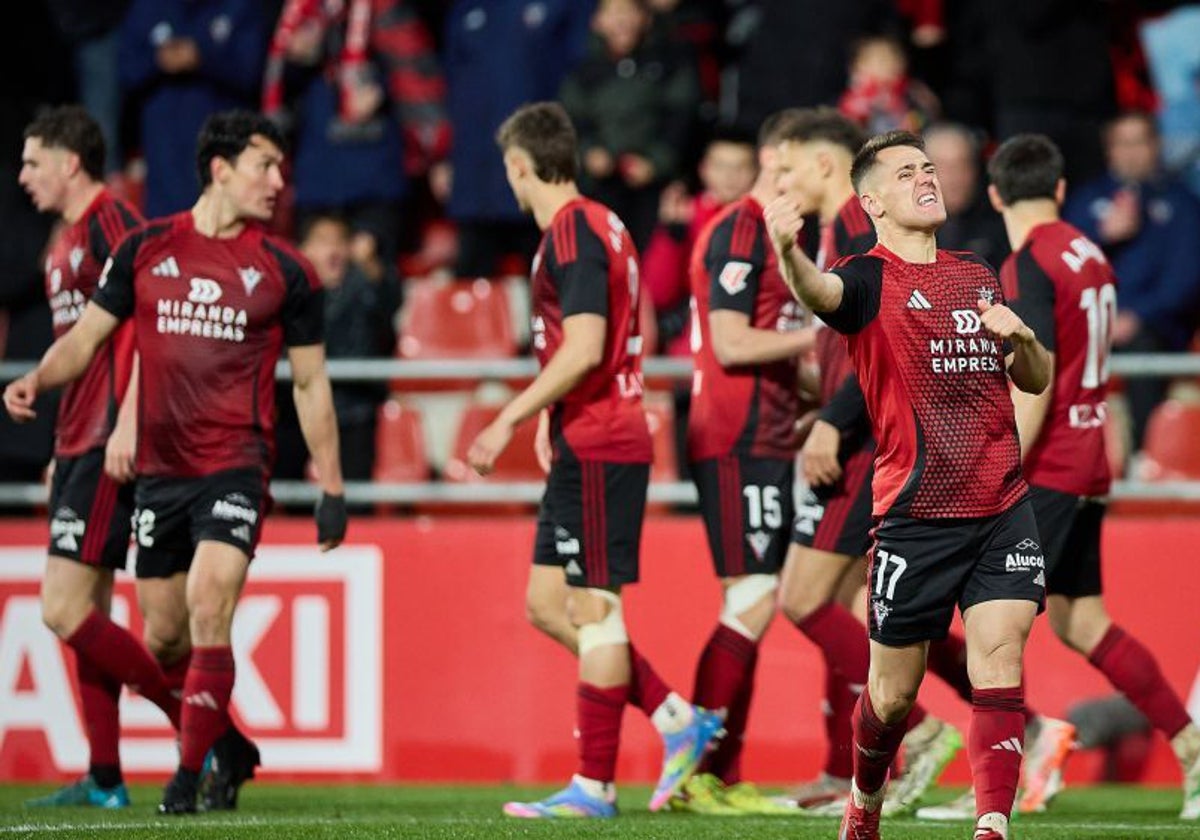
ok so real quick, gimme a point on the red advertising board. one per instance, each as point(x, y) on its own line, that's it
point(405, 656)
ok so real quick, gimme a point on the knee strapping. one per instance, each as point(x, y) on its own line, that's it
point(743, 595)
point(610, 630)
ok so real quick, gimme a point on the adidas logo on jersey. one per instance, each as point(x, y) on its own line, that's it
point(166, 268)
point(1009, 745)
point(917, 301)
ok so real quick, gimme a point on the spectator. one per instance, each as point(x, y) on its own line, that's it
point(1172, 47)
point(359, 307)
point(727, 172)
point(881, 95)
point(1050, 72)
point(633, 100)
point(93, 29)
point(499, 54)
point(367, 95)
point(797, 57)
point(1148, 224)
point(971, 224)
point(183, 60)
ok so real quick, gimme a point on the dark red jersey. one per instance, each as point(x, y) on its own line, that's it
point(211, 317)
point(850, 232)
point(88, 409)
point(935, 384)
point(587, 263)
point(1062, 286)
point(747, 409)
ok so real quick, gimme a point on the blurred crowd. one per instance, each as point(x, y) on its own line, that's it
point(391, 105)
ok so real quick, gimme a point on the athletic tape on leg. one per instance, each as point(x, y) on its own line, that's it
point(743, 595)
point(608, 631)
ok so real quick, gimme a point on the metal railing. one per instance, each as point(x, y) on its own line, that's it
point(475, 493)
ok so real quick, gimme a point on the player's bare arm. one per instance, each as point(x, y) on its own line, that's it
point(582, 349)
point(735, 342)
point(122, 443)
point(1029, 364)
point(64, 362)
point(314, 406)
point(1032, 410)
point(819, 291)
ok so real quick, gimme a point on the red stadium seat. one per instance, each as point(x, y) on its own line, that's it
point(400, 444)
point(516, 463)
point(455, 319)
point(1170, 450)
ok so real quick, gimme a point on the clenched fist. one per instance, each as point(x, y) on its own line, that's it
point(784, 221)
point(1003, 323)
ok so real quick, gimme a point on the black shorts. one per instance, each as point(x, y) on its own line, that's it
point(921, 569)
point(590, 521)
point(89, 512)
point(175, 514)
point(1070, 527)
point(747, 508)
point(837, 517)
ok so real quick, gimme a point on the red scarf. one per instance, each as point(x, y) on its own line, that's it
point(351, 66)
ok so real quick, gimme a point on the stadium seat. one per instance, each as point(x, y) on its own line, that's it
point(400, 444)
point(455, 319)
point(516, 463)
point(1170, 449)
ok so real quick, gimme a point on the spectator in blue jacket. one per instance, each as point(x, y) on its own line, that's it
point(183, 60)
point(500, 54)
point(1149, 226)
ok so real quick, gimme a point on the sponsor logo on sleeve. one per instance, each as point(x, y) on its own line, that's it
point(733, 276)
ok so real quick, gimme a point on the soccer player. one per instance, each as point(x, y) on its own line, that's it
point(593, 441)
point(1059, 282)
point(747, 335)
point(213, 299)
point(62, 169)
point(931, 342)
point(823, 578)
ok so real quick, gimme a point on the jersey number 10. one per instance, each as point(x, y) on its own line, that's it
point(1101, 308)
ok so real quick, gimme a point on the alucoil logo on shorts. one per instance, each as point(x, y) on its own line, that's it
point(66, 529)
point(565, 545)
point(225, 509)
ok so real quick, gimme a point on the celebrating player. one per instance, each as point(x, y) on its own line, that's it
point(213, 299)
point(1059, 283)
point(62, 169)
point(931, 340)
point(594, 442)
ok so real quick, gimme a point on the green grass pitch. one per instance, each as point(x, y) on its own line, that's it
point(283, 812)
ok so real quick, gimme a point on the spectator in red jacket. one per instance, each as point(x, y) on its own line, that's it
point(727, 172)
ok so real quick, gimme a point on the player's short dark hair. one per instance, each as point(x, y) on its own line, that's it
point(227, 134)
point(808, 125)
point(544, 131)
point(308, 221)
point(865, 159)
point(731, 135)
point(775, 126)
point(72, 128)
point(1026, 166)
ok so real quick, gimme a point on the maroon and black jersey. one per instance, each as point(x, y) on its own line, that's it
point(850, 232)
point(935, 384)
point(211, 318)
point(1062, 286)
point(88, 409)
point(587, 263)
point(747, 409)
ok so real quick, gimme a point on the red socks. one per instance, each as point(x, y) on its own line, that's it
point(1134, 671)
point(876, 744)
point(599, 713)
point(725, 680)
point(995, 747)
point(839, 730)
point(206, 694)
point(120, 657)
point(647, 691)
point(176, 673)
point(99, 696)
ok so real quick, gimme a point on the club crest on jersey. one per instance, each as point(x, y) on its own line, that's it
point(987, 293)
point(250, 278)
point(759, 541)
point(881, 610)
point(733, 276)
point(76, 259)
